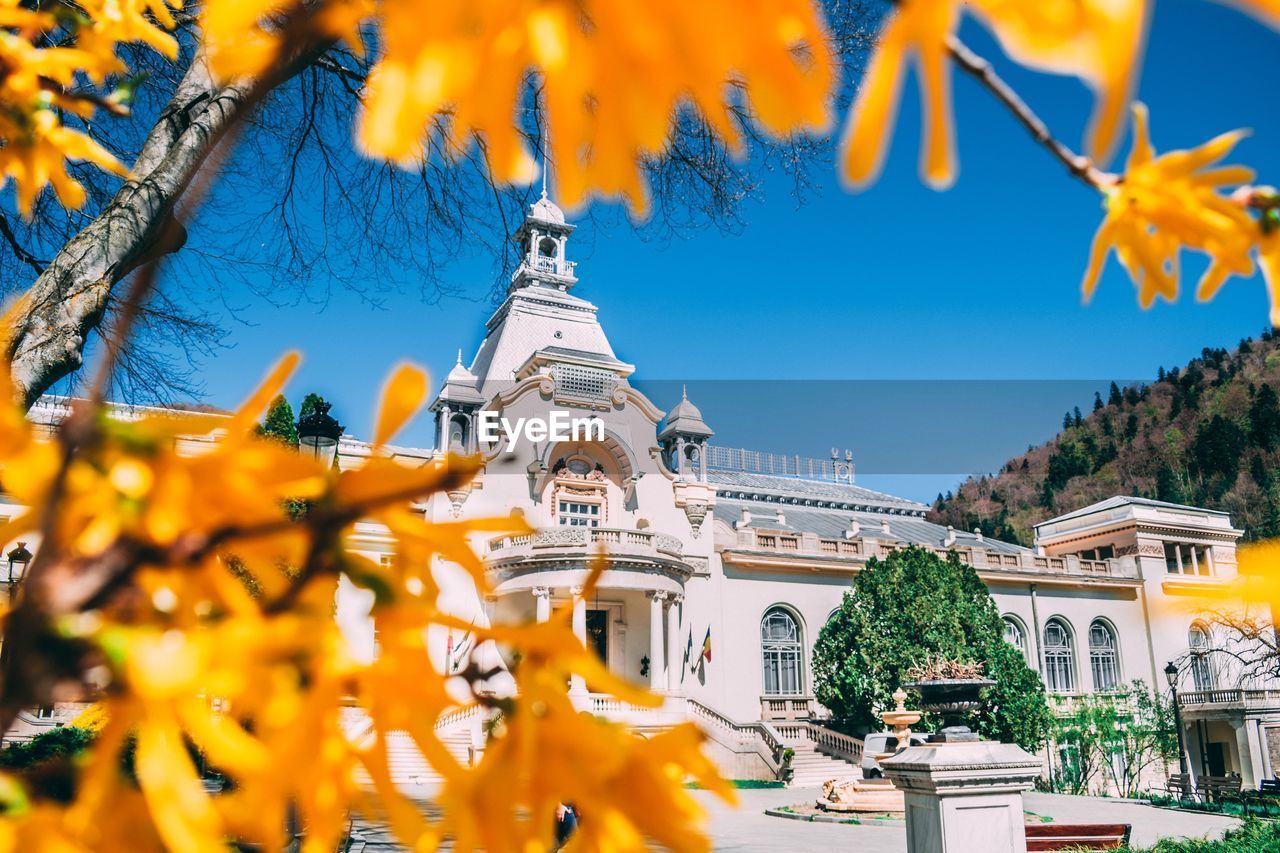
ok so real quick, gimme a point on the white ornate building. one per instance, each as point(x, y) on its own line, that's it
point(748, 554)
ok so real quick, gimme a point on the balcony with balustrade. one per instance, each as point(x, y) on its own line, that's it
point(1234, 699)
point(547, 265)
point(657, 559)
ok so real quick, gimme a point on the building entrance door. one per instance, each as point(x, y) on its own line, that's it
point(1216, 758)
point(598, 634)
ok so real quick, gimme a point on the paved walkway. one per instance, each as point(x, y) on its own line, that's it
point(748, 829)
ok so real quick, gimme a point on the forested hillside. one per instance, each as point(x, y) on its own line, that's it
point(1206, 434)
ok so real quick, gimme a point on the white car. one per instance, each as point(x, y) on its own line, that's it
point(878, 743)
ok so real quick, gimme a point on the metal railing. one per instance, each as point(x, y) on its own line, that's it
point(778, 464)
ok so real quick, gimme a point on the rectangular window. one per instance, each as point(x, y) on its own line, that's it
point(572, 513)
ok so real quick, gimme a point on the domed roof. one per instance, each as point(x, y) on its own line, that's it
point(546, 210)
point(685, 418)
point(460, 386)
point(460, 373)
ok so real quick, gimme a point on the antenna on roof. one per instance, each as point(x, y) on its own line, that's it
point(459, 355)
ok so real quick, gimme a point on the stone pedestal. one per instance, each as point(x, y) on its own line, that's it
point(964, 797)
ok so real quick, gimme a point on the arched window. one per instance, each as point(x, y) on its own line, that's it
point(782, 652)
point(1201, 646)
point(1103, 661)
point(1015, 635)
point(1059, 662)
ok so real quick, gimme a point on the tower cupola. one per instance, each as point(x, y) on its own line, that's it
point(684, 439)
point(456, 406)
point(543, 238)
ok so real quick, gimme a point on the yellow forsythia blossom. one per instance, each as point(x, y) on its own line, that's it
point(183, 659)
point(1165, 203)
point(612, 77)
point(1096, 40)
point(38, 80)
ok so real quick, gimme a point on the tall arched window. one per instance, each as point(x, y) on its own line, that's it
point(1104, 663)
point(1059, 662)
point(1202, 675)
point(1015, 635)
point(782, 653)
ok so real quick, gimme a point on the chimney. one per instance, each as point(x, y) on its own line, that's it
point(854, 529)
point(951, 537)
point(782, 519)
point(745, 520)
point(884, 527)
point(977, 532)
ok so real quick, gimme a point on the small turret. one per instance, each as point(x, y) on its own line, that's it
point(684, 440)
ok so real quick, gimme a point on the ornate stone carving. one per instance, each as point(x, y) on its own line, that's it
point(695, 511)
point(541, 592)
point(550, 537)
point(457, 497)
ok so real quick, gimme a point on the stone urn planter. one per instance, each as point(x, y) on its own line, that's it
point(955, 700)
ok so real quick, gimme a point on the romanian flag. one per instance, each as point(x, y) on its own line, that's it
point(706, 646)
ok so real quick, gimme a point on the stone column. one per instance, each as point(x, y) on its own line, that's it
point(542, 597)
point(964, 797)
point(675, 666)
point(578, 685)
point(657, 676)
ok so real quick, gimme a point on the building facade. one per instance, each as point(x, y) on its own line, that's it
point(724, 564)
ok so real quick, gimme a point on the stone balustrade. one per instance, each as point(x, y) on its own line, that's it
point(615, 540)
point(1239, 697)
point(982, 559)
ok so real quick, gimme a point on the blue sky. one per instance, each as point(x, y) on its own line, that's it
point(898, 282)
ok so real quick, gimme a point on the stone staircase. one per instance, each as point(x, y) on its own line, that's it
point(409, 770)
point(812, 768)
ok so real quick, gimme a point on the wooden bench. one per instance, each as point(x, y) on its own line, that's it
point(1077, 836)
point(1214, 788)
point(1179, 787)
point(1269, 786)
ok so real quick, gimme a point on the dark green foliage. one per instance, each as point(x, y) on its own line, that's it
point(1264, 417)
point(914, 605)
point(309, 404)
point(1215, 454)
point(46, 763)
point(1256, 836)
point(1097, 401)
point(279, 423)
point(1206, 434)
point(1070, 460)
point(62, 742)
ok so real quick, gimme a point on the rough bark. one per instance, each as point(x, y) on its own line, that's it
point(69, 299)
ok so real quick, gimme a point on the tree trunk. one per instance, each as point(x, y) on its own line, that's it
point(69, 299)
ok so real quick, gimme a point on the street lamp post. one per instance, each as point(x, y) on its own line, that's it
point(19, 559)
point(318, 435)
point(1171, 675)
